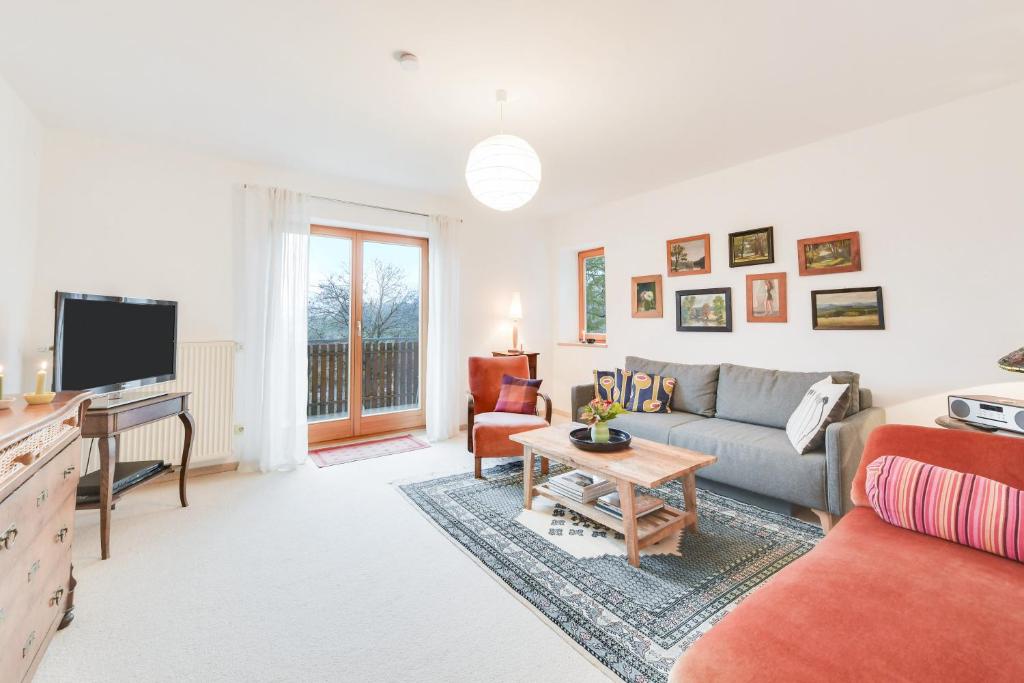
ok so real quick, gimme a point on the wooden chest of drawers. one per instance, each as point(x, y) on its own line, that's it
point(40, 452)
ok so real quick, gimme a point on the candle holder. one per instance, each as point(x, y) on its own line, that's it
point(40, 399)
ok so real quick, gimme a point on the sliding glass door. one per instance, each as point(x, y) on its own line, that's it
point(367, 332)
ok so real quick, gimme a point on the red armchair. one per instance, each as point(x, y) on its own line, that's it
point(487, 432)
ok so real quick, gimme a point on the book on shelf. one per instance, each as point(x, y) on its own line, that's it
point(645, 505)
point(580, 486)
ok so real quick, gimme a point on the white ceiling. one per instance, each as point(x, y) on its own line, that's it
point(617, 97)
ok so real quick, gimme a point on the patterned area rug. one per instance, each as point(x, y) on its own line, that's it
point(339, 455)
point(636, 622)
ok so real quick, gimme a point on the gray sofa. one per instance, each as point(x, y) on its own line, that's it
point(739, 414)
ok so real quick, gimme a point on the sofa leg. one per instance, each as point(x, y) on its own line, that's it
point(828, 520)
point(543, 465)
point(476, 468)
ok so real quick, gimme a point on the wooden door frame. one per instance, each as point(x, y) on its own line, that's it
point(357, 424)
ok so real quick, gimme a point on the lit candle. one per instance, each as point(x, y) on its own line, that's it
point(1, 382)
point(41, 378)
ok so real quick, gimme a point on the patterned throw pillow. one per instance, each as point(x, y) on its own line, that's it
point(651, 393)
point(517, 395)
point(823, 404)
point(613, 386)
point(963, 508)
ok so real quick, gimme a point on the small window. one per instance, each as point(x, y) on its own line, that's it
point(591, 285)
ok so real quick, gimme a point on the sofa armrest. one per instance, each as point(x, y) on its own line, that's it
point(582, 394)
point(470, 413)
point(844, 444)
point(547, 406)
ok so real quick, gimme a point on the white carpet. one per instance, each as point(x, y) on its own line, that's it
point(315, 575)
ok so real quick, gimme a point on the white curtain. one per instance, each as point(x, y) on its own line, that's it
point(444, 390)
point(273, 385)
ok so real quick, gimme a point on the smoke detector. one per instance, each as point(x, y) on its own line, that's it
point(408, 61)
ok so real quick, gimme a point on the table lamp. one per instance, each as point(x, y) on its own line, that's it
point(1013, 361)
point(515, 311)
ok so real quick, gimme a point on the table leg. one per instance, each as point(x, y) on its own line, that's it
point(108, 460)
point(527, 478)
point(690, 498)
point(627, 500)
point(190, 432)
point(543, 465)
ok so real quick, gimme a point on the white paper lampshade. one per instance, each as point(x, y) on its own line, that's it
point(503, 172)
point(515, 309)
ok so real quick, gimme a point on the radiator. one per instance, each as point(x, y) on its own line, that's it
point(207, 369)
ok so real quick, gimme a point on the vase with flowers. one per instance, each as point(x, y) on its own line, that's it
point(598, 413)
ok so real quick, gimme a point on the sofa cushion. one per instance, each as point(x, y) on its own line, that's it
point(769, 397)
point(652, 426)
point(963, 508)
point(824, 403)
point(517, 395)
point(872, 602)
point(696, 385)
point(651, 393)
point(613, 385)
point(491, 432)
point(756, 458)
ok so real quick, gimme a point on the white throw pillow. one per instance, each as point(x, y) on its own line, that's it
point(823, 404)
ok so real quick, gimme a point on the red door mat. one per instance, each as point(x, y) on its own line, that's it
point(339, 455)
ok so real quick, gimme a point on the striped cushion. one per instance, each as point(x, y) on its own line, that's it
point(963, 508)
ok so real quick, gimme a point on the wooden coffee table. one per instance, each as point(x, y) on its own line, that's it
point(644, 463)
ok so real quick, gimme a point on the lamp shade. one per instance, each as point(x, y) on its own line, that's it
point(515, 310)
point(503, 172)
point(1013, 361)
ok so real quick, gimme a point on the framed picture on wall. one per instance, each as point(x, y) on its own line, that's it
point(766, 298)
point(838, 253)
point(704, 310)
point(856, 308)
point(689, 255)
point(752, 247)
point(646, 291)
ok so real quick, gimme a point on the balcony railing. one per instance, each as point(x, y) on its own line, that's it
point(391, 376)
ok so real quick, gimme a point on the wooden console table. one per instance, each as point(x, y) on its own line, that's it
point(107, 424)
point(531, 358)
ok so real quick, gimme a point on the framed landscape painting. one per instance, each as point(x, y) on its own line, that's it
point(689, 255)
point(752, 247)
point(704, 310)
point(858, 308)
point(766, 298)
point(647, 296)
point(829, 254)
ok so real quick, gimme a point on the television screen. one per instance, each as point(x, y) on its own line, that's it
point(109, 343)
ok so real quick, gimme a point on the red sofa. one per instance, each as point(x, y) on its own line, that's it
point(873, 602)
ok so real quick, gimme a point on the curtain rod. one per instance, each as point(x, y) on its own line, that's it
point(369, 206)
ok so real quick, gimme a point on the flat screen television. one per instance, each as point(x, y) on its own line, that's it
point(109, 343)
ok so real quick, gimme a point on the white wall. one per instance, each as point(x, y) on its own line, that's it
point(19, 186)
point(154, 221)
point(938, 198)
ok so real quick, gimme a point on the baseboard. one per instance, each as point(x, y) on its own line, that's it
point(198, 471)
point(559, 411)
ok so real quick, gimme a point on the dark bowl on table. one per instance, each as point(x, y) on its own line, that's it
point(617, 440)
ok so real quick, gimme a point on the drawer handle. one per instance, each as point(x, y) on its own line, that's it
point(41, 498)
point(32, 571)
point(7, 540)
point(57, 595)
point(68, 470)
point(61, 534)
point(28, 644)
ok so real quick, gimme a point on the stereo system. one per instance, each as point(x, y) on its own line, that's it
point(988, 411)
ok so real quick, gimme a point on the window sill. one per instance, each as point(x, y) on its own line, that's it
point(599, 345)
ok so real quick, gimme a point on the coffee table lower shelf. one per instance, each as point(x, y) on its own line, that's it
point(651, 528)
